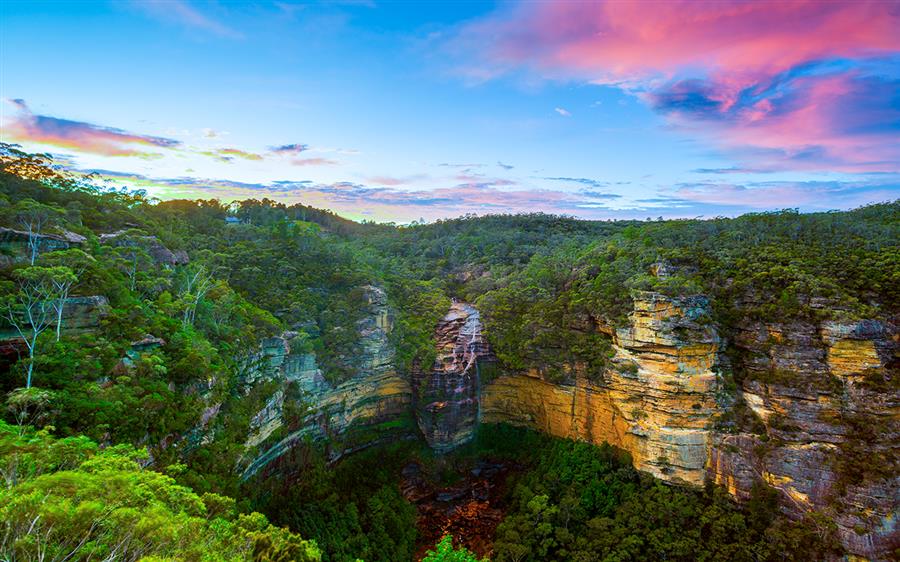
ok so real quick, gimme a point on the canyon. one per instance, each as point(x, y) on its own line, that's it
point(797, 405)
point(667, 398)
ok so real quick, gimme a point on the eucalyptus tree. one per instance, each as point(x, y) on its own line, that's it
point(35, 218)
point(78, 262)
point(30, 310)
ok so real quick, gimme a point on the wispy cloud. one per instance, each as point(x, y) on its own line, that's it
point(598, 194)
point(459, 165)
point(289, 149)
point(731, 170)
point(382, 201)
point(25, 126)
point(371, 200)
point(563, 112)
point(583, 181)
point(780, 194)
point(392, 181)
point(238, 153)
point(313, 162)
point(186, 15)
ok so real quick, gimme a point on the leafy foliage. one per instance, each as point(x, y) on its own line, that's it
point(354, 509)
point(68, 500)
point(580, 502)
point(444, 552)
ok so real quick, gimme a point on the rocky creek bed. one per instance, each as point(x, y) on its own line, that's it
point(469, 509)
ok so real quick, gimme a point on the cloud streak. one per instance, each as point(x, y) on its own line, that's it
point(358, 200)
point(386, 202)
point(26, 126)
point(289, 149)
point(184, 14)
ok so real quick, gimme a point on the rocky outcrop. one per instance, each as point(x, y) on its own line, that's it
point(657, 400)
point(14, 247)
point(305, 405)
point(84, 314)
point(133, 353)
point(446, 396)
point(828, 400)
point(80, 315)
point(825, 396)
point(151, 244)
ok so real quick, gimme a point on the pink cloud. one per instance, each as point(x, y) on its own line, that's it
point(778, 76)
point(623, 41)
point(25, 126)
point(313, 162)
point(387, 180)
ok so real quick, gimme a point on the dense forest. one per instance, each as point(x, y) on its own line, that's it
point(100, 452)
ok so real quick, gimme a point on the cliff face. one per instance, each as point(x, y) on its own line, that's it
point(446, 396)
point(826, 406)
point(828, 400)
point(825, 397)
point(657, 400)
point(305, 404)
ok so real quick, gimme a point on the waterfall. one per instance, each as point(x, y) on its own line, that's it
point(451, 407)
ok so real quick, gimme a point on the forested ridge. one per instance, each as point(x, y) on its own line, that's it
point(100, 452)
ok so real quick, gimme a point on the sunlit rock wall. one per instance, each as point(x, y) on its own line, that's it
point(657, 400)
point(823, 419)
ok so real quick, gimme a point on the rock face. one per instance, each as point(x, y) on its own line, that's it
point(824, 398)
point(447, 395)
point(80, 315)
point(657, 400)
point(827, 397)
point(14, 244)
point(151, 244)
point(306, 405)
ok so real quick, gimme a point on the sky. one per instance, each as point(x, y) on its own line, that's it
point(408, 111)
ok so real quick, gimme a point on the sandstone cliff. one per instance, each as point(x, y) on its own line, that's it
point(657, 400)
point(373, 398)
point(80, 315)
point(815, 413)
point(14, 246)
point(824, 398)
point(828, 400)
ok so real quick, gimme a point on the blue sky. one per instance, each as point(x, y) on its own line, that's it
point(396, 111)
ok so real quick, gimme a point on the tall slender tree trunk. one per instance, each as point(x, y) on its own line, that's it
point(30, 366)
point(59, 312)
point(33, 243)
